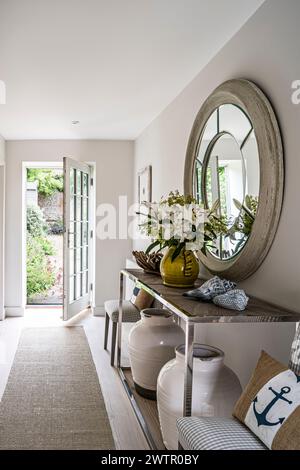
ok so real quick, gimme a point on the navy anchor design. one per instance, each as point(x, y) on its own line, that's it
point(262, 417)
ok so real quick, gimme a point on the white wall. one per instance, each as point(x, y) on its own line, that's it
point(2, 151)
point(2, 212)
point(114, 170)
point(266, 51)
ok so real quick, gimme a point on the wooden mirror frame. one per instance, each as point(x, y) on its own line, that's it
point(248, 97)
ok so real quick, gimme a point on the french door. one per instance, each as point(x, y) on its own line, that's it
point(77, 237)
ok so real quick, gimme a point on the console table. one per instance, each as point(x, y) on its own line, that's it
point(191, 312)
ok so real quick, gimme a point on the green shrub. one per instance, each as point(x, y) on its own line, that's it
point(48, 180)
point(40, 277)
point(46, 245)
point(36, 224)
point(39, 274)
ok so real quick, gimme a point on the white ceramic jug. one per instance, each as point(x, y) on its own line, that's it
point(216, 389)
point(152, 343)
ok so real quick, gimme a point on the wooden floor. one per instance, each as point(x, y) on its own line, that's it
point(149, 411)
point(126, 431)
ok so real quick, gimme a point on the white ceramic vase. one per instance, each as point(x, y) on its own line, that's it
point(152, 343)
point(216, 389)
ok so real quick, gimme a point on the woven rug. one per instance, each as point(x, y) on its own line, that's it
point(53, 398)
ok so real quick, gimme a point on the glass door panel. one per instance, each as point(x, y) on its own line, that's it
point(76, 237)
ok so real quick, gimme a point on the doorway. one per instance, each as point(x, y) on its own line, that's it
point(58, 244)
point(44, 236)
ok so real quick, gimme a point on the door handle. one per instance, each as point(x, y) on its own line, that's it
point(69, 233)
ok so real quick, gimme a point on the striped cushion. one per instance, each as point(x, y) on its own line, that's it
point(294, 363)
point(216, 434)
point(131, 313)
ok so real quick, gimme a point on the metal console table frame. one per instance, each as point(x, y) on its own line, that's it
point(191, 312)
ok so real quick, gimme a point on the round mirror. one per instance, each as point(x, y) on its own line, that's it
point(226, 175)
point(234, 167)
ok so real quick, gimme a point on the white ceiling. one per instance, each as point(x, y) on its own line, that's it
point(114, 65)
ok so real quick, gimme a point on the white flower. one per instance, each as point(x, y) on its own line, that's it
point(184, 223)
point(193, 246)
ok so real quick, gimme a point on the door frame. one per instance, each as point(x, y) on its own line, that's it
point(92, 256)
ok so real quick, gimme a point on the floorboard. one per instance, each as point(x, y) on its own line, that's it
point(149, 411)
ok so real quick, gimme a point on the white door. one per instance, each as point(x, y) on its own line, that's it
point(77, 237)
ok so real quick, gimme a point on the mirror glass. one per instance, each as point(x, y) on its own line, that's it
point(226, 178)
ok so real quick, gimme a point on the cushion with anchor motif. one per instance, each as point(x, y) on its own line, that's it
point(270, 405)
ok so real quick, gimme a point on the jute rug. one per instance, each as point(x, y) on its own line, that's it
point(53, 398)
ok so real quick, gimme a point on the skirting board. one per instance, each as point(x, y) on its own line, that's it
point(14, 311)
point(99, 311)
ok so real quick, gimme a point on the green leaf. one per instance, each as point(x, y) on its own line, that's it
point(177, 251)
point(242, 207)
point(151, 246)
point(145, 215)
point(214, 207)
point(248, 201)
point(164, 245)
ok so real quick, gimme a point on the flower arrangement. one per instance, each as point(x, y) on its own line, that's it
point(179, 221)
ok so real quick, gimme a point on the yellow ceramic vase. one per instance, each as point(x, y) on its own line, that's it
point(182, 272)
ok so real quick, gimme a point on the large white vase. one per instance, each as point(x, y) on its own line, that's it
point(216, 388)
point(152, 343)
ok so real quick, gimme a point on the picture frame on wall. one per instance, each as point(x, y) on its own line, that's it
point(145, 184)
